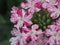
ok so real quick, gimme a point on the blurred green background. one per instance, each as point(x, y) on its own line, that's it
point(5, 24)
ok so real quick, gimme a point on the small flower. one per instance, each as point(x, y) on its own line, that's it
point(20, 17)
point(54, 15)
point(45, 5)
point(35, 26)
point(52, 2)
point(14, 15)
point(33, 32)
point(53, 35)
point(40, 41)
point(19, 39)
point(33, 5)
point(14, 41)
point(49, 3)
point(15, 32)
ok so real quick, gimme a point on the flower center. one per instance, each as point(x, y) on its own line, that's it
point(31, 4)
point(44, 0)
point(53, 2)
point(21, 19)
point(55, 35)
point(21, 37)
point(31, 32)
point(38, 44)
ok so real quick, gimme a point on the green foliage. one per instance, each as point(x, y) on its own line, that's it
point(42, 19)
point(5, 42)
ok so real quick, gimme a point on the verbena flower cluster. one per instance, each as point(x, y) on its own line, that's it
point(25, 32)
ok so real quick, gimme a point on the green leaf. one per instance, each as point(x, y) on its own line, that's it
point(2, 20)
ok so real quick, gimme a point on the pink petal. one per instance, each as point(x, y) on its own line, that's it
point(48, 32)
point(38, 5)
point(52, 8)
point(45, 5)
point(19, 12)
point(15, 32)
point(35, 26)
point(25, 29)
point(54, 15)
point(29, 17)
point(24, 5)
point(28, 23)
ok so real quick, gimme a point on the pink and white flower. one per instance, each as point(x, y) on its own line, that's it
point(53, 36)
point(19, 16)
point(33, 32)
point(15, 32)
point(56, 13)
point(49, 3)
point(33, 5)
point(52, 2)
point(40, 41)
point(14, 16)
point(19, 39)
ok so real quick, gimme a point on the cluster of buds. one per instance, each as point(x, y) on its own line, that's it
point(37, 22)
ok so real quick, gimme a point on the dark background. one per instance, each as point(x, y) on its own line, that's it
point(5, 24)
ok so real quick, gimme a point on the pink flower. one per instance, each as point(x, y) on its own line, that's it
point(55, 27)
point(52, 2)
point(40, 41)
point(15, 32)
point(14, 41)
point(51, 9)
point(33, 32)
point(20, 17)
point(14, 15)
point(35, 26)
point(58, 22)
point(50, 5)
point(56, 13)
point(45, 5)
point(19, 39)
point(53, 35)
point(33, 5)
